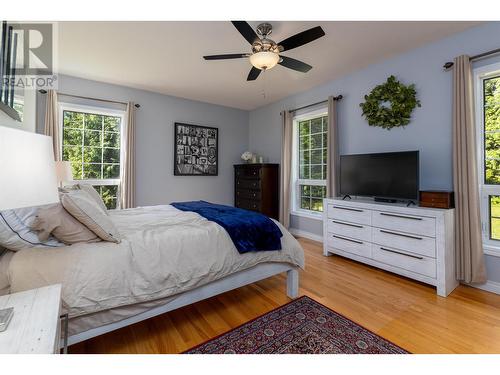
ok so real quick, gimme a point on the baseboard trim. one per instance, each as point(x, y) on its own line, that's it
point(489, 286)
point(308, 235)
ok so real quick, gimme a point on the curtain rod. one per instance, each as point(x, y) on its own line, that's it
point(89, 98)
point(336, 98)
point(449, 64)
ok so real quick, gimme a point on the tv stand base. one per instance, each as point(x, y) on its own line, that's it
point(385, 200)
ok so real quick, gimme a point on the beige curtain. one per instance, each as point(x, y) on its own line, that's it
point(52, 123)
point(127, 187)
point(470, 266)
point(332, 176)
point(286, 167)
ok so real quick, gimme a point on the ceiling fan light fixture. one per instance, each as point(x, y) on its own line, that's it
point(264, 60)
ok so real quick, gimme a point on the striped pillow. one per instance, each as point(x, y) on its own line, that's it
point(16, 233)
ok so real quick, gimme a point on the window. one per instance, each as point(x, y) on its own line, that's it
point(91, 141)
point(488, 125)
point(310, 164)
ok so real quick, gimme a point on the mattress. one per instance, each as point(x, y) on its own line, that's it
point(164, 251)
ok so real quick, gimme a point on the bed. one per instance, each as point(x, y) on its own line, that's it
point(167, 259)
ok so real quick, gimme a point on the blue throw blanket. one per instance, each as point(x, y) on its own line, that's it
point(250, 231)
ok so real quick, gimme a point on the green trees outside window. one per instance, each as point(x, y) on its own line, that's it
point(491, 112)
point(313, 156)
point(491, 88)
point(92, 142)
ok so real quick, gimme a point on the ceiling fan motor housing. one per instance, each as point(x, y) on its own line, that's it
point(264, 44)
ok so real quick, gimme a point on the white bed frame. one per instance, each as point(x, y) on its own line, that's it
point(236, 280)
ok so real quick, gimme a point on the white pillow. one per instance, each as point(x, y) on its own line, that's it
point(84, 209)
point(16, 233)
point(94, 195)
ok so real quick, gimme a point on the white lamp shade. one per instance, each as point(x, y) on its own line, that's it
point(27, 170)
point(64, 172)
point(264, 60)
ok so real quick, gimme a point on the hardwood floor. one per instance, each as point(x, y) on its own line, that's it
point(406, 312)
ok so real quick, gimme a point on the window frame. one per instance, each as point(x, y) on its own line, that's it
point(97, 111)
point(490, 246)
point(295, 181)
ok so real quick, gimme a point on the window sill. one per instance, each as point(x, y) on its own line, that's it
point(309, 214)
point(493, 251)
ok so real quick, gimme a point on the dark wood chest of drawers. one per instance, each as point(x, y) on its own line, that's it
point(256, 188)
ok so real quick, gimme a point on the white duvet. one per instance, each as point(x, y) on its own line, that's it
point(164, 251)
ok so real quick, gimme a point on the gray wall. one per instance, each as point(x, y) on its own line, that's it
point(430, 130)
point(156, 183)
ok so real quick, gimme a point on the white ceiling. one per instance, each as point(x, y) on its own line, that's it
point(166, 57)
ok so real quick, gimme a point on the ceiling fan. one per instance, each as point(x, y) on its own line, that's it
point(266, 52)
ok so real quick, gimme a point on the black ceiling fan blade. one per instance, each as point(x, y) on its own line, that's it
point(254, 73)
point(246, 30)
point(226, 57)
point(297, 65)
point(302, 38)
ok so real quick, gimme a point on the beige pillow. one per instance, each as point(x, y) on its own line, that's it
point(84, 209)
point(5, 257)
point(94, 195)
point(56, 220)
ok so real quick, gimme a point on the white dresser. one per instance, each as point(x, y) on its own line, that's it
point(415, 242)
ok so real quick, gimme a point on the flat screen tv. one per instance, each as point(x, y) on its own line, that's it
point(389, 176)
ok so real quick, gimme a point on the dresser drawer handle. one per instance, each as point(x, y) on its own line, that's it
point(347, 239)
point(401, 216)
point(348, 209)
point(348, 224)
point(397, 252)
point(400, 234)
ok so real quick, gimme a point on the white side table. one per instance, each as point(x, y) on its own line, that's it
point(35, 326)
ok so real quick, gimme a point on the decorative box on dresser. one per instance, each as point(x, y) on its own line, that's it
point(256, 188)
point(415, 242)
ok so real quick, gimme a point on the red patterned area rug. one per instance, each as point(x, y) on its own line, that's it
point(302, 326)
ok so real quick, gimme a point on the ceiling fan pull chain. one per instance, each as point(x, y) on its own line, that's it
point(264, 84)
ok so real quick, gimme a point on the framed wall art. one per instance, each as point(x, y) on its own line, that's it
point(196, 150)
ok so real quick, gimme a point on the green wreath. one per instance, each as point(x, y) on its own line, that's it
point(402, 101)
